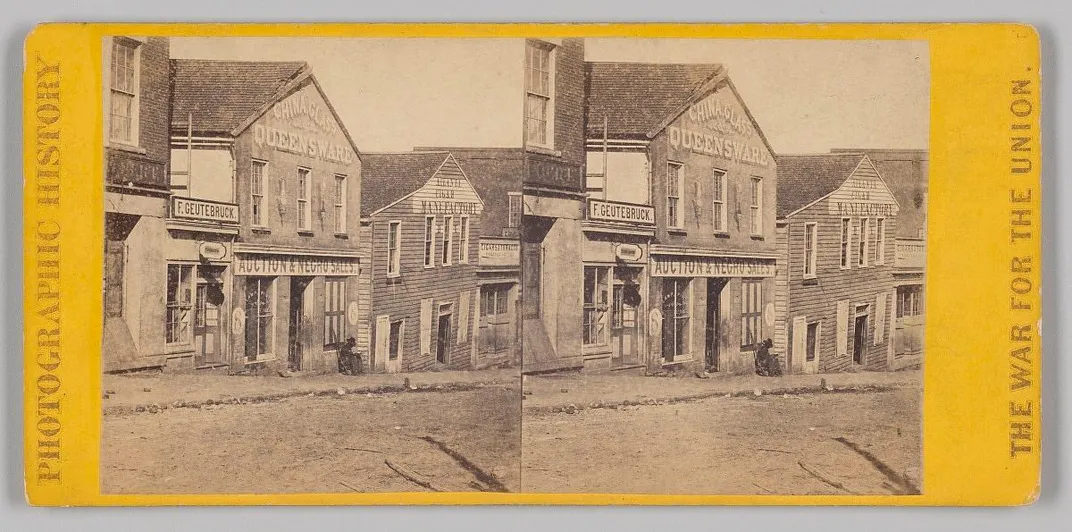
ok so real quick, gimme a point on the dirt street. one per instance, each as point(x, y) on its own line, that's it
point(735, 445)
point(319, 444)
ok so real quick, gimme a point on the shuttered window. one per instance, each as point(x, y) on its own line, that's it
point(751, 312)
point(334, 310)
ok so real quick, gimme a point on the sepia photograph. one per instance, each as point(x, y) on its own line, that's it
point(542, 265)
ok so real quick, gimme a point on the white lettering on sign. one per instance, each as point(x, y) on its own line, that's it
point(211, 211)
point(848, 208)
point(673, 266)
point(629, 252)
point(294, 265)
point(301, 144)
point(212, 250)
point(718, 126)
point(612, 211)
point(710, 144)
point(303, 105)
point(446, 195)
point(719, 115)
point(500, 252)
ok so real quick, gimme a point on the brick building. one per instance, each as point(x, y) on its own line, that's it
point(262, 262)
point(421, 219)
point(136, 93)
point(836, 225)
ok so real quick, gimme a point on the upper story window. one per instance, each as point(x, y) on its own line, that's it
point(757, 206)
point(448, 240)
point(463, 244)
point(846, 242)
point(862, 242)
point(305, 186)
point(429, 241)
point(539, 94)
point(513, 217)
point(340, 203)
point(394, 253)
point(880, 241)
point(811, 234)
point(675, 173)
point(124, 91)
point(256, 192)
point(718, 185)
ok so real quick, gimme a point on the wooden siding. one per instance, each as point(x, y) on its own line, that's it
point(781, 291)
point(817, 299)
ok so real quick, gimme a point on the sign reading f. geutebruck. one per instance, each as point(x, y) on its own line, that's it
point(209, 211)
point(613, 211)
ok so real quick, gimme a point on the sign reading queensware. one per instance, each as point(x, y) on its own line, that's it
point(682, 266)
point(209, 211)
point(613, 211)
point(246, 264)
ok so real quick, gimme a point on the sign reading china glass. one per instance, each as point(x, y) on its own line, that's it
point(304, 124)
point(718, 126)
point(681, 266)
point(209, 211)
point(246, 264)
point(612, 211)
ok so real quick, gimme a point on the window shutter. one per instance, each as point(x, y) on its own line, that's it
point(463, 317)
point(383, 326)
point(800, 338)
point(426, 326)
point(880, 317)
point(842, 328)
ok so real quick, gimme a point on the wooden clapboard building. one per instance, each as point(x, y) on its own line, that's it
point(837, 221)
point(419, 229)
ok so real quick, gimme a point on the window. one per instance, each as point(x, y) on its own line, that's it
point(751, 312)
point(813, 342)
point(493, 300)
point(909, 301)
point(757, 206)
point(596, 299)
point(259, 313)
point(394, 345)
point(862, 241)
point(334, 310)
point(305, 215)
point(179, 304)
point(675, 172)
point(846, 243)
point(256, 192)
point(538, 94)
point(340, 203)
point(123, 116)
point(880, 241)
point(676, 310)
point(810, 238)
point(514, 210)
point(394, 255)
point(429, 241)
point(448, 240)
point(719, 206)
point(463, 251)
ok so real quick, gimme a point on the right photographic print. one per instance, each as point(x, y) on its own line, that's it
point(723, 266)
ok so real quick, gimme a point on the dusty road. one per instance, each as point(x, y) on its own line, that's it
point(738, 445)
point(319, 444)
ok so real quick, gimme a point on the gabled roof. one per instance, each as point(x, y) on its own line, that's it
point(494, 173)
point(222, 95)
point(389, 177)
point(636, 97)
point(804, 179)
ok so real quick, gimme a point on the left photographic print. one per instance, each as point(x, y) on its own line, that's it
point(306, 288)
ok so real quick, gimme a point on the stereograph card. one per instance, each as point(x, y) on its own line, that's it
point(532, 264)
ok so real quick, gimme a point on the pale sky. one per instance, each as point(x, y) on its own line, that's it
point(807, 95)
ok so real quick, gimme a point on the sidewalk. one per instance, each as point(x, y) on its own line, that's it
point(577, 391)
point(157, 391)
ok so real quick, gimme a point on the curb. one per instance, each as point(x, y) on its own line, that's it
point(341, 391)
point(571, 408)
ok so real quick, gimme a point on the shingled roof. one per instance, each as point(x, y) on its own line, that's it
point(221, 95)
point(388, 177)
point(802, 179)
point(636, 97)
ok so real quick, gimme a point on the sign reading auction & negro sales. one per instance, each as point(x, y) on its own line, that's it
point(252, 264)
point(688, 266)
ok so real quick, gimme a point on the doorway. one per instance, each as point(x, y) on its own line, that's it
point(713, 320)
point(530, 279)
point(296, 320)
point(859, 340)
point(208, 300)
point(624, 330)
point(446, 319)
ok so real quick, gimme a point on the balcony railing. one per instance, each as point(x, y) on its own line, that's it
point(910, 254)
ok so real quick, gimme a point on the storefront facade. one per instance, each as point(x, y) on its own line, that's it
point(267, 191)
point(836, 224)
point(421, 232)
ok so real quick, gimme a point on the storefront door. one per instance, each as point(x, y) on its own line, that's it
point(443, 334)
point(624, 334)
point(530, 279)
point(859, 340)
point(208, 299)
point(296, 318)
point(713, 323)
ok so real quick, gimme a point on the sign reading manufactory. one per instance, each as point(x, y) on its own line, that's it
point(612, 211)
point(209, 211)
point(245, 264)
point(682, 266)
